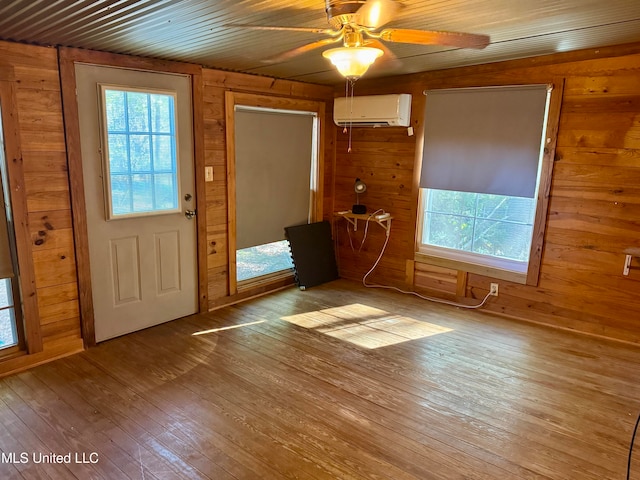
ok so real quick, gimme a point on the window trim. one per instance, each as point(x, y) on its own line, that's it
point(532, 274)
point(104, 131)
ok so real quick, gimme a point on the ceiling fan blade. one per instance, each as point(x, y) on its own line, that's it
point(389, 58)
point(325, 31)
point(283, 57)
point(375, 13)
point(425, 37)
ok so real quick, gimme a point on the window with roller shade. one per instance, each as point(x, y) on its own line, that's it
point(274, 158)
point(480, 172)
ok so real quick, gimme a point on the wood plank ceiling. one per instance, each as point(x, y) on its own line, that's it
point(194, 30)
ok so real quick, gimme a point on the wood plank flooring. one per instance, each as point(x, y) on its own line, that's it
point(286, 387)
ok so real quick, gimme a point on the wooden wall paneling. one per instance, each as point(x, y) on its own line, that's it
point(7, 73)
point(357, 252)
point(55, 266)
point(59, 305)
point(439, 279)
point(216, 191)
point(21, 55)
point(410, 274)
point(39, 78)
point(63, 329)
point(13, 153)
point(601, 61)
point(218, 285)
point(601, 84)
point(47, 191)
point(329, 164)
point(383, 158)
point(42, 208)
point(576, 290)
point(50, 229)
point(545, 306)
point(241, 82)
point(461, 284)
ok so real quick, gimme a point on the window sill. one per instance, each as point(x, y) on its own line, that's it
point(507, 275)
point(8, 353)
point(266, 280)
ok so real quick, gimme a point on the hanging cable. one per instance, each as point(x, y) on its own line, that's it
point(349, 82)
point(366, 227)
point(349, 235)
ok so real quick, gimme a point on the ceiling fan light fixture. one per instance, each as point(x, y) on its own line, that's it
point(352, 62)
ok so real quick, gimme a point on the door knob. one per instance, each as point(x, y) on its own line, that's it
point(190, 214)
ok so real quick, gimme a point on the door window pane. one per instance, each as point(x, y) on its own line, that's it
point(141, 153)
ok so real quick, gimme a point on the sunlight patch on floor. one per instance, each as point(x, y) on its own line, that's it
point(220, 329)
point(365, 326)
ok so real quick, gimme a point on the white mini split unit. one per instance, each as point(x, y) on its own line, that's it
point(373, 111)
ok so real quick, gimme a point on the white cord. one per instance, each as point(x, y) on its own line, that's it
point(366, 227)
point(431, 299)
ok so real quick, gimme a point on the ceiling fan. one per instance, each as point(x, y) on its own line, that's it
point(356, 24)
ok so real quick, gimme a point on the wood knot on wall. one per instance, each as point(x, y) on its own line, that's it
point(41, 237)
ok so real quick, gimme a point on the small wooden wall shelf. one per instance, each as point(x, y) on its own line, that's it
point(382, 219)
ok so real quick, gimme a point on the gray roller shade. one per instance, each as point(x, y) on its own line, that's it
point(484, 140)
point(273, 170)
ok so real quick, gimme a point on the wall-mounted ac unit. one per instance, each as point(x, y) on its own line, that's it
point(373, 110)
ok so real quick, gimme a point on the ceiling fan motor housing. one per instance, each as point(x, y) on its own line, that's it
point(341, 12)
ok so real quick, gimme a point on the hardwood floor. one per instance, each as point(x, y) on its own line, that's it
point(246, 392)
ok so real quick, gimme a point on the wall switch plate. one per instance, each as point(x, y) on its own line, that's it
point(208, 174)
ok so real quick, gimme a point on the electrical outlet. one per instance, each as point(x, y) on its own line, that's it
point(494, 289)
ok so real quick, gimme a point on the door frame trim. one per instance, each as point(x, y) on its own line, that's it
point(67, 58)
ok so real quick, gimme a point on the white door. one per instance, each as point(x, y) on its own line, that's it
point(137, 151)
